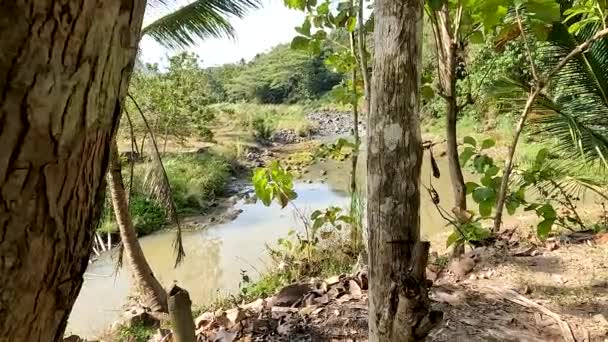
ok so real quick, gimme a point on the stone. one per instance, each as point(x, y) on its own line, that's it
point(204, 319)
point(236, 315)
point(256, 306)
point(291, 294)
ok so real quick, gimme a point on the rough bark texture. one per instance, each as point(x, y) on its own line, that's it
point(180, 310)
point(64, 68)
point(146, 283)
point(399, 305)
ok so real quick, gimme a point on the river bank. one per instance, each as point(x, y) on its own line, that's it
point(244, 228)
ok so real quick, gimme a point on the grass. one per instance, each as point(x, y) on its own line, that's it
point(136, 333)
point(195, 178)
point(248, 120)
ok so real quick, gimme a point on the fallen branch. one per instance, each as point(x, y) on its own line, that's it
point(516, 298)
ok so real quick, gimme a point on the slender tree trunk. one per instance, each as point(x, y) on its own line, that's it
point(64, 71)
point(145, 281)
point(363, 57)
point(447, 47)
point(399, 308)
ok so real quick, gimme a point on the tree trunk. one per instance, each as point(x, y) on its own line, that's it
point(64, 70)
point(447, 46)
point(145, 281)
point(399, 308)
point(180, 311)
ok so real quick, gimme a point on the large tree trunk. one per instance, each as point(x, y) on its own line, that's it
point(64, 70)
point(399, 308)
point(145, 282)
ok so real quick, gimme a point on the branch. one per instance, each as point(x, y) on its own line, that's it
point(526, 45)
point(177, 244)
point(542, 84)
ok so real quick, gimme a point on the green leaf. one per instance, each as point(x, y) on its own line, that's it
point(351, 24)
point(305, 28)
point(427, 92)
point(477, 37)
point(484, 194)
point(541, 156)
point(492, 171)
point(466, 154)
point(315, 214)
point(470, 141)
point(485, 208)
point(512, 206)
point(323, 8)
point(295, 4)
point(544, 228)
point(546, 211)
point(454, 237)
point(471, 186)
point(435, 4)
point(546, 11)
point(318, 224)
point(487, 143)
point(300, 43)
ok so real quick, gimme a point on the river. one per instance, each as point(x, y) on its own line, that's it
point(216, 256)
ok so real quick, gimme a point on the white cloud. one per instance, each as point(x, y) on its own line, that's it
point(259, 31)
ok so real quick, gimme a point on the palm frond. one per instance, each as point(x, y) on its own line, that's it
point(575, 108)
point(158, 185)
point(199, 19)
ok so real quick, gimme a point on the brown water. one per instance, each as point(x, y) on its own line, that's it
point(216, 256)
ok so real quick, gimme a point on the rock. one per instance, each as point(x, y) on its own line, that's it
point(232, 215)
point(277, 312)
point(291, 294)
point(354, 289)
point(204, 319)
point(236, 315)
point(256, 306)
point(323, 172)
point(599, 318)
point(73, 338)
point(309, 181)
point(463, 265)
point(333, 280)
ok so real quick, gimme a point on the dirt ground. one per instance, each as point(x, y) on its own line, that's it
point(557, 291)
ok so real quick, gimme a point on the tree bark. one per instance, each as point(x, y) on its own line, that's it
point(399, 308)
point(64, 71)
point(180, 311)
point(145, 282)
point(447, 47)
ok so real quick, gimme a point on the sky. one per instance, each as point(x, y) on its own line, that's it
point(259, 31)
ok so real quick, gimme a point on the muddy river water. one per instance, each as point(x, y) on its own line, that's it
point(216, 256)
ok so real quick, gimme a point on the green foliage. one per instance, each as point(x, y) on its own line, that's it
point(340, 150)
point(147, 215)
point(175, 101)
point(136, 333)
point(282, 75)
point(274, 183)
point(198, 19)
point(196, 179)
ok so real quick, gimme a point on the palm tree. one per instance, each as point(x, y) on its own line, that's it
point(574, 110)
point(200, 19)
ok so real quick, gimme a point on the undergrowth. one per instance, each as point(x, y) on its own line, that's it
point(196, 180)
